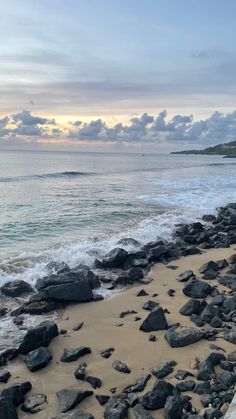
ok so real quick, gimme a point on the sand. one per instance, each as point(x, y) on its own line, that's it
point(103, 328)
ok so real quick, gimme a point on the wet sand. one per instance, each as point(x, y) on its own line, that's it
point(103, 328)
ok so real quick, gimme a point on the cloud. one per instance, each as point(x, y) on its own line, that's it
point(143, 129)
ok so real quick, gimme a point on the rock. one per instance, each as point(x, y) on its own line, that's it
point(139, 263)
point(16, 393)
point(107, 352)
point(197, 289)
point(216, 322)
point(37, 336)
point(16, 288)
point(162, 370)
point(40, 306)
point(3, 311)
point(222, 263)
point(208, 218)
point(156, 320)
point(135, 274)
point(210, 274)
point(171, 292)
point(211, 265)
point(102, 399)
point(37, 359)
point(209, 312)
point(138, 386)
point(206, 368)
point(212, 413)
point(84, 273)
point(116, 408)
point(156, 398)
point(128, 241)
point(192, 306)
point(94, 381)
point(141, 413)
point(81, 371)
point(7, 409)
point(70, 398)
point(152, 338)
point(183, 337)
point(141, 293)
point(77, 414)
point(202, 388)
point(132, 399)
point(79, 291)
point(6, 355)
point(197, 320)
point(174, 407)
point(34, 403)
point(182, 374)
point(156, 253)
point(70, 355)
point(187, 385)
point(227, 378)
point(121, 367)
point(114, 258)
point(4, 376)
point(186, 276)
point(55, 267)
point(230, 335)
point(232, 259)
point(150, 305)
point(231, 356)
point(78, 327)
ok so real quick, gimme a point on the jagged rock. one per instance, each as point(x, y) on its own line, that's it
point(156, 253)
point(138, 386)
point(40, 306)
point(116, 408)
point(141, 413)
point(57, 267)
point(182, 374)
point(152, 338)
point(16, 393)
point(212, 413)
point(70, 398)
point(150, 305)
point(6, 355)
point(34, 403)
point(156, 320)
point(192, 306)
point(230, 335)
point(79, 291)
point(37, 359)
point(156, 398)
point(231, 356)
point(70, 355)
point(211, 265)
point(197, 289)
point(187, 385)
point(7, 409)
point(227, 378)
point(128, 241)
point(222, 263)
point(80, 371)
point(183, 337)
point(141, 293)
point(77, 414)
point(16, 288)
point(209, 312)
point(132, 399)
point(121, 367)
point(203, 388)
point(135, 274)
point(232, 259)
point(107, 352)
point(37, 336)
point(114, 258)
point(206, 368)
point(4, 376)
point(94, 381)
point(174, 407)
point(216, 322)
point(162, 370)
point(186, 276)
point(139, 263)
point(102, 399)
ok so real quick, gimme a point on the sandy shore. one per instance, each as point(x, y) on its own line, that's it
point(103, 328)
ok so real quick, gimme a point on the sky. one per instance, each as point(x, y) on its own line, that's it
point(114, 75)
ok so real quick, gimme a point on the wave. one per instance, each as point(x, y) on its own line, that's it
point(45, 176)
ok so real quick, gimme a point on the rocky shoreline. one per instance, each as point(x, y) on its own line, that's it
point(209, 311)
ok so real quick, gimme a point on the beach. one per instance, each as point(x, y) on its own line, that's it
point(103, 328)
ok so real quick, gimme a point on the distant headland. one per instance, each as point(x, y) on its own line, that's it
point(227, 150)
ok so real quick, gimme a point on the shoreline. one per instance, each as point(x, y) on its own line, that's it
point(104, 328)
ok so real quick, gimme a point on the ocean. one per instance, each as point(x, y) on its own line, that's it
point(74, 207)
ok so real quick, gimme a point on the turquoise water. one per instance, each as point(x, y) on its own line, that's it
point(76, 206)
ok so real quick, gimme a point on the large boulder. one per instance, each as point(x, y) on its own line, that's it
point(174, 407)
point(156, 398)
point(114, 258)
point(37, 359)
point(70, 398)
point(197, 289)
point(156, 320)
point(7, 409)
point(16, 288)
point(183, 337)
point(37, 336)
point(79, 291)
point(206, 368)
point(116, 408)
point(16, 393)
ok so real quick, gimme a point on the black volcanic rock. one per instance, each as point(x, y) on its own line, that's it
point(138, 386)
point(183, 337)
point(121, 367)
point(70, 398)
point(197, 289)
point(70, 355)
point(37, 336)
point(186, 276)
point(80, 371)
point(116, 408)
point(37, 359)
point(16, 288)
point(114, 258)
point(162, 370)
point(94, 381)
point(141, 413)
point(156, 320)
point(34, 403)
point(156, 398)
